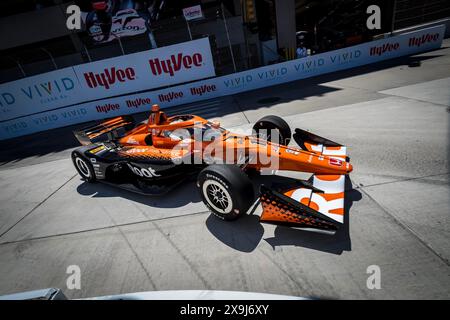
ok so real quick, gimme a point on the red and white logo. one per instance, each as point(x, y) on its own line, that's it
point(426, 38)
point(387, 47)
point(203, 89)
point(108, 77)
point(167, 97)
point(175, 63)
point(138, 102)
point(335, 162)
point(105, 108)
point(193, 13)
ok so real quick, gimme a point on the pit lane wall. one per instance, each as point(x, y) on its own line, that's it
point(70, 88)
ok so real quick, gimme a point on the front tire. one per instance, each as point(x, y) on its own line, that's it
point(267, 125)
point(83, 166)
point(226, 191)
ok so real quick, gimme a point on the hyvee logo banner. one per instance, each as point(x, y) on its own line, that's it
point(169, 96)
point(183, 62)
point(108, 77)
point(425, 39)
point(138, 102)
point(175, 63)
point(203, 89)
point(387, 47)
point(147, 70)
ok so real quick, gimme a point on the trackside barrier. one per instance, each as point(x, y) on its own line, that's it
point(366, 53)
point(106, 78)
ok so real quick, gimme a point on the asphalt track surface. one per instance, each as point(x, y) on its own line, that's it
point(394, 120)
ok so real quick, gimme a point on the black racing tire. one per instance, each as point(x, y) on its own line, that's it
point(273, 122)
point(226, 191)
point(83, 166)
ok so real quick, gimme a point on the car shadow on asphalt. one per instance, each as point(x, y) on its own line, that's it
point(243, 235)
point(179, 197)
point(246, 233)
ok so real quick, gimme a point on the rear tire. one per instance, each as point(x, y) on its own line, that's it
point(269, 123)
point(226, 191)
point(83, 166)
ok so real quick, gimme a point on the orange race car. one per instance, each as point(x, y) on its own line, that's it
point(153, 157)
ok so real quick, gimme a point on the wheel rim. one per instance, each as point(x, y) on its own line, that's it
point(83, 167)
point(217, 196)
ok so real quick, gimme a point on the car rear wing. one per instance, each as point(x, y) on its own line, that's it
point(105, 130)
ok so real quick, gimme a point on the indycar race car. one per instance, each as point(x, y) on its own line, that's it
point(155, 156)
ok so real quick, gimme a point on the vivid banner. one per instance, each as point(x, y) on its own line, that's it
point(100, 82)
point(141, 71)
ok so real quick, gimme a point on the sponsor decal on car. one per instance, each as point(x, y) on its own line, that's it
point(258, 142)
point(335, 162)
point(292, 152)
point(136, 150)
point(98, 149)
point(132, 140)
point(142, 172)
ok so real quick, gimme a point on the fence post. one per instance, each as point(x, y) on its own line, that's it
point(228, 35)
point(51, 57)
